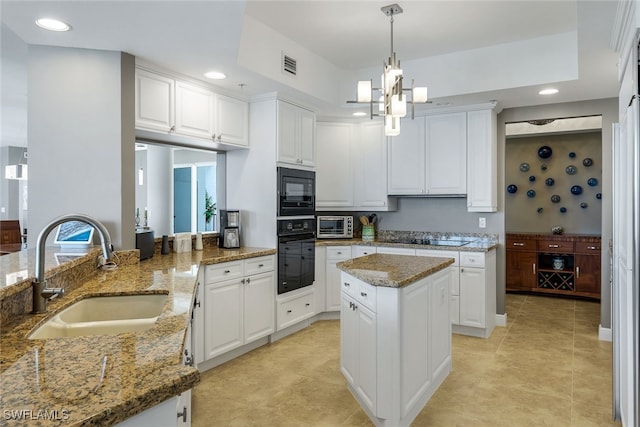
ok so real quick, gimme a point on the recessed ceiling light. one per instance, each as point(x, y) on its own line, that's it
point(52, 24)
point(359, 114)
point(216, 75)
point(548, 91)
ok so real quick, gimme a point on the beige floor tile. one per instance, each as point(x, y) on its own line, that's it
point(546, 368)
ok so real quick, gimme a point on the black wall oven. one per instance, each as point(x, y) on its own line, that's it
point(296, 254)
point(296, 192)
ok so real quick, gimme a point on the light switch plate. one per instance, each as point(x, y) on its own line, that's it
point(482, 222)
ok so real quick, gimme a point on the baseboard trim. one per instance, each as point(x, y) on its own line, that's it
point(605, 334)
point(501, 319)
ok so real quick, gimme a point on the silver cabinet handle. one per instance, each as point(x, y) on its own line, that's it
point(363, 294)
point(577, 271)
point(518, 244)
point(183, 414)
point(554, 246)
point(260, 265)
point(213, 137)
point(307, 305)
point(227, 271)
point(288, 311)
point(242, 281)
point(593, 248)
point(172, 129)
point(339, 253)
point(534, 268)
point(347, 284)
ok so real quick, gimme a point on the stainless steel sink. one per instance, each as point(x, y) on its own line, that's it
point(104, 315)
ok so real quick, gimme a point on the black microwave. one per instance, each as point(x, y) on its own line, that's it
point(296, 192)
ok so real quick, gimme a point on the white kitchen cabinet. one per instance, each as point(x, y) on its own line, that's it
point(358, 251)
point(320, 281)
point(168, 105)
point(194, 110)
point(335, 254)
point(154, 101)
point(395, 251)
point(477, 293)
point(446, 154)
point(395, 345)
point(231, 120)
point(238, 304)
point(295, 306)
point(406, 159)
point(371, 168)
point(482, 158)
point(296, 135)
point(335, 165)
point(455, 278)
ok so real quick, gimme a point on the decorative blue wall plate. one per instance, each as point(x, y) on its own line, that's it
point(545, 152)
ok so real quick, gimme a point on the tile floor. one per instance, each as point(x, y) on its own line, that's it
point(546, 368)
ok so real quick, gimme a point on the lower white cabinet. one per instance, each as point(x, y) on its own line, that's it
point(395, 345)
point(477, 293)
point(335, 254)
point(172, 412)
point(295, 306)
point(455, 278)
point(395, 251)
point(358, 251)
point(238, 304)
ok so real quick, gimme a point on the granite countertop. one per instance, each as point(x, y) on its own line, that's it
point(142, 369)
point(479, 245)
point(393, 271)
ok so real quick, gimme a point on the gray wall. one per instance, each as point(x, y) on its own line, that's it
point(522, 211)
point(608, 108)
point(81, 138)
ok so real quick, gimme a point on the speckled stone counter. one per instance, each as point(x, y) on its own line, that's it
point(393, 271)
point(142, 369)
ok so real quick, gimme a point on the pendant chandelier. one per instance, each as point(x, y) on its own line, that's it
point(390, 100)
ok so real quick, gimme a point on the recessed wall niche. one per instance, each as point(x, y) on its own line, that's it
point(575, 169)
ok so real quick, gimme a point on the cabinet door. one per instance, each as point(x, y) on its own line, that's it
point(440, 337)
point(366, 379)
point(521, 270)
point(223, 317)
point(588, 273)
point(259, 307)
point(307, 137)
point(406, 159)
point(482, 159)
point(287, 118)
point(348, 340)
point(334, 165)
point(446, 154)
point(232, 120)
point(183, 409)
point(333, 285)
point(358, 251)
point(472, 297)
point(194, 110)
point(371, 161)
point(154, 101)
point(289, 264)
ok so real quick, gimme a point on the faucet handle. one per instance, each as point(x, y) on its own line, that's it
point(52, 293)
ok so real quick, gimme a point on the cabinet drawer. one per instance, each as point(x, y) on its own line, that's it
point(366, 295)
point(339, 252)
point(472, 259)
point(554, 246)
point(443, 254)
point(514, 244)
point(225, 271)
point(295, 309)
point(259, 265)
point(588, 247)
point(349, 286)
point(358, 251)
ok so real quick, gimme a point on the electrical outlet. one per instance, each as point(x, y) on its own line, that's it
point(482, 222)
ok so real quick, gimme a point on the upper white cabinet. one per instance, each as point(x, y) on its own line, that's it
point(351, 167)
point(429, 156)
point(482, 158)
point(446, 154)
point(335, 166)
point(164, 104)
point(296, 135)
point(154, 101)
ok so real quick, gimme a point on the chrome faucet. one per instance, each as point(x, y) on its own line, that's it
point(41, 293)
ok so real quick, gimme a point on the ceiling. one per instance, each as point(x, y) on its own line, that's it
point(349, 39)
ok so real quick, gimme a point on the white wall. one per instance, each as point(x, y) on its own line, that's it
point(81, 138)
point(159, 190)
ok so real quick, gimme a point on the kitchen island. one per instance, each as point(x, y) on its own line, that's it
point(104, 379)
point(395, 333)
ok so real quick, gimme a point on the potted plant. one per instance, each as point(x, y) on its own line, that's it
point(209, 210)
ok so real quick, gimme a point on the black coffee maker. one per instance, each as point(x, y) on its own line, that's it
point(229, 229)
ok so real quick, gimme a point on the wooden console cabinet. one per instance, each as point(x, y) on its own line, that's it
point(554, 264)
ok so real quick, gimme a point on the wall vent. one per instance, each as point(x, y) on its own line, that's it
point(289, 65)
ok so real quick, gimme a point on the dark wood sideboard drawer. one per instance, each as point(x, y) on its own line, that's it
point(515, 244)
point(587, 247)
point(554, 246)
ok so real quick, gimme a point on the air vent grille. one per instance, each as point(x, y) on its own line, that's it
point(289, 65)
